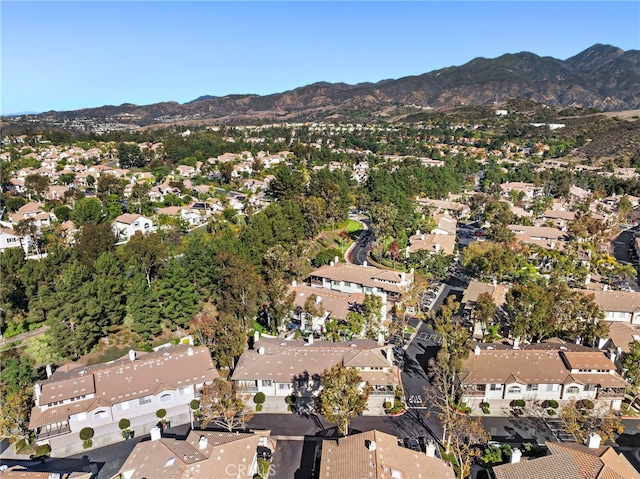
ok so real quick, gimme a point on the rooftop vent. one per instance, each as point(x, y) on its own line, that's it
point(132, 355)
point(261, 350)
point(202, 443)
point(371, 445)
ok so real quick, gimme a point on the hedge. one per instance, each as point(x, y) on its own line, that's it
point(552, 403)
point(259, 398)
point(86, 433)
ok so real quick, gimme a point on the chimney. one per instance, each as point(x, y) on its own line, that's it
point(365, 263)
point(318, 299)
point(390, 355)
point(516, 454)
point(331, 264)
point(371, 445)
point(132, 355)
point(422, 237)
point(310, 339)
point(37, 390)
point(336, 260)
point(294, 283)
point(593, 441)
point(418, 232)
point(430, 449)
point(380, 339)
point(256, 336)
point(261, 350)
point(516, 343)
point(48, 368)
point(476, 350)
point(155, 433)
point(403, 276)
point(202, 443)
point(437, 246)
point(190, 352)
point(578, 339)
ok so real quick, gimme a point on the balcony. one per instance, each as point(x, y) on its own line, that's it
point(610, 393)
point(52, 431)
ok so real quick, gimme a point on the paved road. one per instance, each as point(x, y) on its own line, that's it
point(22, 336)
point(360, 251)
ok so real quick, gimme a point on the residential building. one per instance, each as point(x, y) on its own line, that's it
point(28, 472)
point(570, 460)
point(543, 236)
point(433, 243)
point(445, 225)
point(332, 304)
point(350, 278)
point(133, 387)
point(202, 455)
point(377, 455)
point(618, 306)
point(500, 374)
point(9, 239)
point(128, 224)
point(528, 190)
point(470, 296)
point(279, 367)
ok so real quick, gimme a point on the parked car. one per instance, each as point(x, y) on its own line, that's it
point(264, 452)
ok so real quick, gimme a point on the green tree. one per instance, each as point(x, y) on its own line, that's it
point(220, 332)
point(343, 396)
point(177, 296)
point(92, 241)
point(87, 211)
point(580, 425)
point(631, 369)
point(223, 404)
point(130, 156)
point(287, 184)
point(36, 185)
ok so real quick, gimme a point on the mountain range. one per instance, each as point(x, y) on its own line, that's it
point(602, 77)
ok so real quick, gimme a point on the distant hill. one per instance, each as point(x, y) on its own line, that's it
point(602, 77)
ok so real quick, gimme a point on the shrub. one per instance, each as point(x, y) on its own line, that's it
point(259, 398)
point(486, 410)
point(387, 405)
point(551, 412)
point(258, 407)
point(87, 444)
point(86, 433)
point(161, 413)
point(585, 404)
point(42, 450)
point(124, 423)
point(194, 404)
point(290, 400)
point(484, 404)
point(22, 446)
point(519, 403)
point(552, 403)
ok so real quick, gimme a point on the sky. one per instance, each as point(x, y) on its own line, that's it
point(78, 54)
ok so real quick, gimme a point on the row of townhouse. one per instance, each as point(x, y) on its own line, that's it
point(133, 387)
point(500, 373)
point(280, 368)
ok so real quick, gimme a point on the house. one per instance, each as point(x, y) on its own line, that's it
point(528, 190)
point(202, 455)
point(445, 225)
point(499, 374)
point(128, 224)
point(192, 216)
point(618, 305)
point(433, 243)
point(279, 367)
point(9, 239)
point(543, 236)
point(32, 211)
point(377, 455)
point(334, 305)
point(621, 336)
point(133, 387)
point(470, 296)
point(351, 278)
point(457, 210)
point(570, 460)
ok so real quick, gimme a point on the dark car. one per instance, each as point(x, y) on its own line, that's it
point(264, 452)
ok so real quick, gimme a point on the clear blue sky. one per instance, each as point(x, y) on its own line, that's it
point(70, 55)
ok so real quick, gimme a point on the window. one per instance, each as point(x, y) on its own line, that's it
point(145, 400)
point(81, 416)
point(552, 387)
point(532, 387)
point(590, 387)
point(166, 397)
point(121, 406)
point(183, 390)
point(573, 390)
point(495, 387)
point(347, 283)
point(267, 383)
point(515, 390)
point(100, 415)
point(284, 386)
